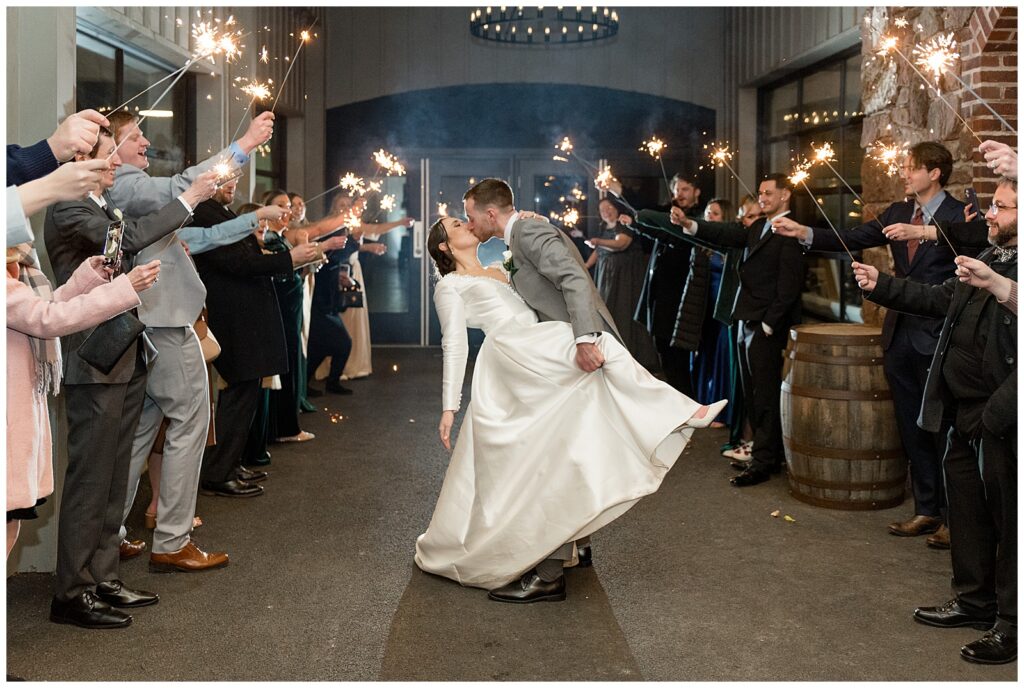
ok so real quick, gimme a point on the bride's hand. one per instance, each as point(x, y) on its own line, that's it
point(530, 215)
point(445, 428)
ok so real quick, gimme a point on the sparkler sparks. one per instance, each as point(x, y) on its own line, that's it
point(824, 153)
point(654, 147)
point(387, 203)
point(604, 178)
point(264, 55)
point(887, 155)
point(937, 55)
point(887, 45)
point(442, 209)
point(353, 184)
point(565, 146)
point(256, 90)
point(900, 23)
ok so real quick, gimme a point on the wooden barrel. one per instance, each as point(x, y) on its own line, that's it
point(843, 450)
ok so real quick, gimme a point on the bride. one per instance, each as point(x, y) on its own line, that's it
point(547, 453)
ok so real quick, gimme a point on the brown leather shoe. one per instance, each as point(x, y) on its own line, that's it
point(919, 525)
point(132, 548)
point(940, 540)
point(188, 559)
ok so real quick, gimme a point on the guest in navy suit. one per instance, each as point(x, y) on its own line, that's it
point(920, 255)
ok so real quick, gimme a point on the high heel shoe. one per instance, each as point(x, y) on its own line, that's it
point(709, 417)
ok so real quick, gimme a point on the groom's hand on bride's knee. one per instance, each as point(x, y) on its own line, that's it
point(588, 357)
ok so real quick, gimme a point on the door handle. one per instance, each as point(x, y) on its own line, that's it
point(417, 239)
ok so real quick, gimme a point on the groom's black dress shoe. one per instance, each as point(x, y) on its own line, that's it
point(116, 595)
point(250, 476)
point(952, 615)
point(585, 556)
point(530, 588)
point(231, 488)
point(88, 611)
point(995, 647)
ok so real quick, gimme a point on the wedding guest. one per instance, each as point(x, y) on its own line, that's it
point(177, 387)
point(102, 408)
point(711, 363)
point(908, 342)
point(973, 378)
point(76, 135)
point(620, 273)
point(243, 311)
point(771, 279)
point(1000, 158)
point(284, 402)
point(36, 316)
point(978, 274)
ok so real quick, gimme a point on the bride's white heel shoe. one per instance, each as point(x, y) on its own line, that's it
point(709, 417)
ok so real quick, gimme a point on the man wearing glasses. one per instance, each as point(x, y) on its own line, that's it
point(973, 378)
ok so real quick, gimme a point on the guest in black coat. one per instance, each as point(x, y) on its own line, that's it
point(244, 314)
point(771, 279)
point(921, 255)
point(973, 379)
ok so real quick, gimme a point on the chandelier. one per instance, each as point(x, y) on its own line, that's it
point(543, 26)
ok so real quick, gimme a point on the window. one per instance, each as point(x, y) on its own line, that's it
point(108, 75)
point(819, 105)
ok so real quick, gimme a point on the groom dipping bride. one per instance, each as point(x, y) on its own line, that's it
point(564, 430)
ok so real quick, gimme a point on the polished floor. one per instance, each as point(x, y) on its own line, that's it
point(698, 582)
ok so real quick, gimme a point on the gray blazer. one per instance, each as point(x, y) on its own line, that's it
point(549, 274)
point(138, 194)
point(76, 230)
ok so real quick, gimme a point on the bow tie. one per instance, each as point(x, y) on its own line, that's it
point(1005, 254)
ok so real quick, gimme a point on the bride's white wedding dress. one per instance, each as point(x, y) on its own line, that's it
point(546, 453)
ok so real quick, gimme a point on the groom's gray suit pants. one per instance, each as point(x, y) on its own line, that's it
point(551, 568)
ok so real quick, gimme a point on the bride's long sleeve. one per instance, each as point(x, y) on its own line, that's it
point(451, 311)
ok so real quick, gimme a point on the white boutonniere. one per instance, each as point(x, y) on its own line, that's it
point(509, 266)
point(118, 214)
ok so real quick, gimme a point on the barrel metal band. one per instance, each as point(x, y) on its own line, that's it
point(838, 394)
point(843, 453)
point(847, 504)
point(835, 339)
point(847, 486)
point(833, 360)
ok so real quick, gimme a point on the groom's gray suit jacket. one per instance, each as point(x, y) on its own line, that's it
point(551, 277)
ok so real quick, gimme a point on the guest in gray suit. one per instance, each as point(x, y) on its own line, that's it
point(177, 385)
point(102, 409)
point(549, 274)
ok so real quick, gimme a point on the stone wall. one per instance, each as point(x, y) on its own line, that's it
point(901, 109)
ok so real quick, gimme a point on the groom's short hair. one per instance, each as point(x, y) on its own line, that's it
point(494, 192)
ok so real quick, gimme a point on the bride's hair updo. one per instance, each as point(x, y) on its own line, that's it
point(444, 262)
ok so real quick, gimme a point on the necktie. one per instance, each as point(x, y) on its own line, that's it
point(912, 244)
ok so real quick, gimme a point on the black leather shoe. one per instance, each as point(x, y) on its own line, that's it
point(336, 387)
point(751, 476)
point(262, 460)
point(530, 588)
point(585, 556)
point(250, 476)
point(744, 465)
point(116, 595)
point(952, 615)
point(994, 647)
point(88, 611)
point(231, 488)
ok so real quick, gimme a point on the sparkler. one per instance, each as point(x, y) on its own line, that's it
point(720, 156)
point(654, 148)
point(938, 56)
point(304, 38)
point(442, 209)
point(387, 203)
point(604, 178)
point(257, 91)
point(799, 176)
point(264, 56)
point(566, 147)
point(890, 44)
point(388, 163)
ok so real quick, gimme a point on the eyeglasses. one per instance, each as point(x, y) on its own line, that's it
point(999, 207)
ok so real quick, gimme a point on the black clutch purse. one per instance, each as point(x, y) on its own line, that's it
point(105, 346)
point(350, 296)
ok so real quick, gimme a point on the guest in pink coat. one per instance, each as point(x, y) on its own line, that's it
point(36, 317)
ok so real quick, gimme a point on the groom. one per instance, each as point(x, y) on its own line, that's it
point(548, 272)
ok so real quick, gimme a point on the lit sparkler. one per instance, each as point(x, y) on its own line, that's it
point(901, 23)
point(256, 91)
point(937, 55)
point(442, 209)
point(387, 202)
point(353, 183)
point(799, 176)
point(888, 156)
point(654, 147)
point(720, 157)
point(604, 178)
point(566, 146)
point(304, 38)
point(264, 56)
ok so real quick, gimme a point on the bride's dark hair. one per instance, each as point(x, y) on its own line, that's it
point(443, 261)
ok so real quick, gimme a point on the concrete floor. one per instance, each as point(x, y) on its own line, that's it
point(698, 582)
